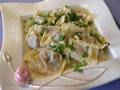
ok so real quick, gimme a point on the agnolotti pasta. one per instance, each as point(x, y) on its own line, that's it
point(62, 39)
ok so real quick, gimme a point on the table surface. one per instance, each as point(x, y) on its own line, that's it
point(114, 6)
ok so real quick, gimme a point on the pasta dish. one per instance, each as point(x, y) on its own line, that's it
point(63, 39)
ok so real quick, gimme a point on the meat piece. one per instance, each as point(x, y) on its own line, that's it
point(32, 40)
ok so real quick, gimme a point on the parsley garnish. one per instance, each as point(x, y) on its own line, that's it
point(61, 37)
point(71, 47)
point(96, 35)
point(72, 16)
point(78, 66)
point(44, 14)
point(85, 55)
point(31, 21)
point(58, 48)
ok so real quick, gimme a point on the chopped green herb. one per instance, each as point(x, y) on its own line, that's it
point(44, 14)
point(72, 16)
point(30, 21)
point(61, 37)
point(45, 21)
point(71, 47)
point(78, 66)
point(66, 6)
point(58, 48)
point(85, 55)
point(96, 35)
point(82, 23)
point(78, 70)
point(41, 33)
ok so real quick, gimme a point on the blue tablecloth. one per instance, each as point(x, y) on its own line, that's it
point(114, 6)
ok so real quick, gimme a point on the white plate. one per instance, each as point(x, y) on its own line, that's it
point(13, 40)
